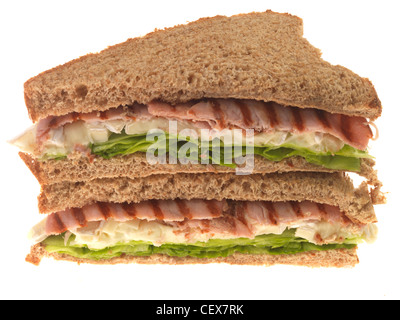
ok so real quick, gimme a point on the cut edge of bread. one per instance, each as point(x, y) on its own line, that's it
point(53, 93)
point(338, 258)
point(335, 189)
point(79, 168)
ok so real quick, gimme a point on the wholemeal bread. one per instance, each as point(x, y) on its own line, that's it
point(330, 258)
point(260, 56)
point(330, 188)
point(79, 167)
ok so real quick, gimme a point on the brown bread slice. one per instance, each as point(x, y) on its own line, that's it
point(260, 56)
point(331, 258)
point(79, 167)
point(330, 188)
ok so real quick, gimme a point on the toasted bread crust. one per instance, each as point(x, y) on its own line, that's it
point(260, 56)
point(331, 188)
point(331, 258)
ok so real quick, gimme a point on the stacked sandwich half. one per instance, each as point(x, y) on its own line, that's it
point(227, 139)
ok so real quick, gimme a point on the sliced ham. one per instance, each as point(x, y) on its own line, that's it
point(166, 110)
point(52, 122)
point(233, 217)
point(165, 210)
point(268, 117)
point(220, 114)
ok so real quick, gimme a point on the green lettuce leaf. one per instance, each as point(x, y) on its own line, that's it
point(286, 243)
point(348, 158)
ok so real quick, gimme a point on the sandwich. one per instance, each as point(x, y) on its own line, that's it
point(224, 140)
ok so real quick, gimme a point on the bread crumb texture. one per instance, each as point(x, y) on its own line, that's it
point(260, 56)
point(331, 188)
point(78, 167)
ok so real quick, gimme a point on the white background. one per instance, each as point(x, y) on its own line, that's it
point(37, 35)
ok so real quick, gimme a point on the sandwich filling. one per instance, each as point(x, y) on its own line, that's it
point(202, 131)
point(198, 228)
